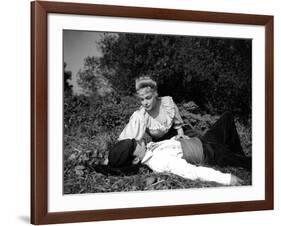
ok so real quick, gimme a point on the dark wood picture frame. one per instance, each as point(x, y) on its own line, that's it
point(39, 112)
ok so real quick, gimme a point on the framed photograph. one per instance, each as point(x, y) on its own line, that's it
point(147, 112)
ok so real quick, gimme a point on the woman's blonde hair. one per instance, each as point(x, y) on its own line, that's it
point(145, 81)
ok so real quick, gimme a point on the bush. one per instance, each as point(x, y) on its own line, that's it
point(213, 72)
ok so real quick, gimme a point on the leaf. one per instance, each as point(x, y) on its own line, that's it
point(72, 157)
point(150, 180)
point(79, 172)
point(80, 167)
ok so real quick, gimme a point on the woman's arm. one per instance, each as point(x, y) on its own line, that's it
point(178, 122)
point(180, 131)
point(181, 134)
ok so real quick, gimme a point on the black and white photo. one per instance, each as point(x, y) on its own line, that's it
point(155, 112)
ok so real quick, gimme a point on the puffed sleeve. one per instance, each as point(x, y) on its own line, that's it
point(178, 122)
point(136, 127)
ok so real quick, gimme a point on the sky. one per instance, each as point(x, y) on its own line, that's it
point(76, 46)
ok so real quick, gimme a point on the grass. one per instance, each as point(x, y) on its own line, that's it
point(145, 180)
point(82, 148)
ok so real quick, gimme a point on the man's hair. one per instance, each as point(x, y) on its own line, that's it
point(120, 160)
point(121, 154)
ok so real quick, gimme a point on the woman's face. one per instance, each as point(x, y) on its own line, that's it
point(148, 98)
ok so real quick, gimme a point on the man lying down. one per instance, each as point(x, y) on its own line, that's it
point(183, 157)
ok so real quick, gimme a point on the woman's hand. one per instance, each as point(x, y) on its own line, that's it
point(181, 135)
point(177, 137)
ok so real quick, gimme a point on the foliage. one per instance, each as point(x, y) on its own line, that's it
point(213, 72)
point(87, 78)
point(67, 75)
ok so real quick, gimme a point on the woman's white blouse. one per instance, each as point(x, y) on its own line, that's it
point(141, 122)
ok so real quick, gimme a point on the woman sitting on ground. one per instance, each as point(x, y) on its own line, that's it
point(159, 117)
